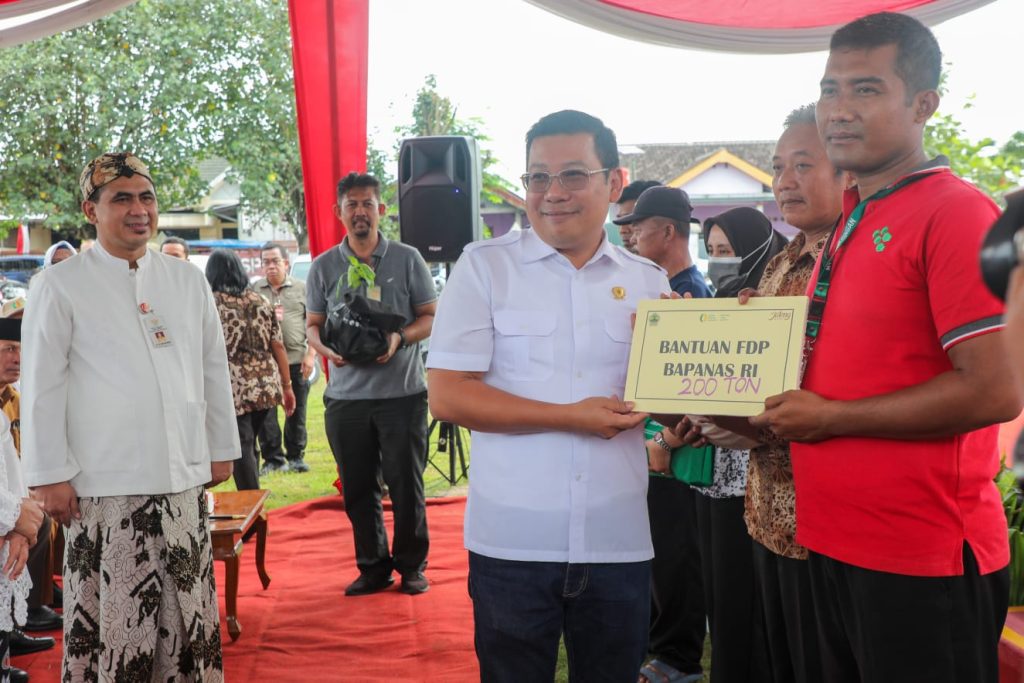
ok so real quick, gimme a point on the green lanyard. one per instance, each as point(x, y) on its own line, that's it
point(816, 309)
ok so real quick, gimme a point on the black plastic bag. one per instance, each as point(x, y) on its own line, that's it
point(357, 328)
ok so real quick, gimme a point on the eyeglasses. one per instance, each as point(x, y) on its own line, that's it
point(272, 261)
point(572, 179)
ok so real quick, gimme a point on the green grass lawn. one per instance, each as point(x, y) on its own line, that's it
point(287, 488)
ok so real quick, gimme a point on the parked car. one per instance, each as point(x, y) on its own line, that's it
point(12, 289)
point(20, 267)
point(300, 266)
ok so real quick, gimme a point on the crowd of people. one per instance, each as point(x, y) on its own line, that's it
point(850, 532)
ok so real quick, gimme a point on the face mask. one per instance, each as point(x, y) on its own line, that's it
point(722, 269)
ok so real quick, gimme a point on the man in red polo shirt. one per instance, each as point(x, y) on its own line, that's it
point(906, 378)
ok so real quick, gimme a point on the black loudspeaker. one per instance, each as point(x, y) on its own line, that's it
point(439, 195)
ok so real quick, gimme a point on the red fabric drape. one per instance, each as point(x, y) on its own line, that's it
point(330, 40)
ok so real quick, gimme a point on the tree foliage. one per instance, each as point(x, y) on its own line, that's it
point(173, 82)
point(995, 169)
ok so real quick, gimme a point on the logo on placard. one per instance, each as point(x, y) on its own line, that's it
point(653, 319)
point(714, 317)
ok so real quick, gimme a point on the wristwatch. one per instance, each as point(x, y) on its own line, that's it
point(660, 440)
point(401, 335)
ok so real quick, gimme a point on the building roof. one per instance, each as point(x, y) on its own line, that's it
point(666, 162)
point(210, 169)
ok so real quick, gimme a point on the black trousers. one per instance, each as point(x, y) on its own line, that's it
point(784, 588)
point(877, 627)
point(294, 425)
point(247, 469)
point(40, 566)
point(389, 436)
point(738, 642)
point(677, 592)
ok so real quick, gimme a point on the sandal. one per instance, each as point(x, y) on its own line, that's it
point(657, 671)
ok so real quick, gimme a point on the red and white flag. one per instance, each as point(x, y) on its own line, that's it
point(23, 243)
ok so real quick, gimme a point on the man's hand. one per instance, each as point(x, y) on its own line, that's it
point(746, 294)
point(335, 359)
point(689, 432)
point(17, 555)
point(394, 341)
point(798, 416)
point(307, 365)
point(605, 416)
point(288, 400)
point(59, 500)
point(220, 470)
point(658, 459)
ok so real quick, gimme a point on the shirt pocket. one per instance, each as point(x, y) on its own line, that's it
point(619, 333)
point(195, 433)
point(524, 344)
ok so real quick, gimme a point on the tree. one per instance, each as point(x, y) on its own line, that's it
point(174, 82)
point(993, 168)
point(260, 139)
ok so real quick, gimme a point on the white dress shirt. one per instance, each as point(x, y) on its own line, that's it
point(520, 312)
point(103, 405)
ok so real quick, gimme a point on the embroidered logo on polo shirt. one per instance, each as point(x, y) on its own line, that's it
point(880, 237)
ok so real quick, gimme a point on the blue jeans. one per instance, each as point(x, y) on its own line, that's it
point(520, 610)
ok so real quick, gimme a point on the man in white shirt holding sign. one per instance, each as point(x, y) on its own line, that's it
point(126, 414)
point(530, 350)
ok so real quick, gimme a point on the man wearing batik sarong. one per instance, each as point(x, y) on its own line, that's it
point(126, 414)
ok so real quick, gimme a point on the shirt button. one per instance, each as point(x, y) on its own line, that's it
point(578, 477)
point(579, 375)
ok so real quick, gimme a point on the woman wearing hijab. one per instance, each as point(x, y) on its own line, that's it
point(61, 251)
point(258, 363)
point(740, 243)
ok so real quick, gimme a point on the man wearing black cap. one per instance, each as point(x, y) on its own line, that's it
point(661, 232)
point(18, 588)
point(624, 206)
point(40, 617)
point(660, 223)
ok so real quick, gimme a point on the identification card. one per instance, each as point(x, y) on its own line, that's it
point(373, 293)
point(156, 331)
point(279, 312)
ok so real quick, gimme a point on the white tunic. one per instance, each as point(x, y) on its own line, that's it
point(103, 404)
point(537, 327)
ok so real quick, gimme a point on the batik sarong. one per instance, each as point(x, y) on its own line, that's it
point(140, 602)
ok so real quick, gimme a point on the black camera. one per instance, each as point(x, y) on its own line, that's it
point(1003, 248)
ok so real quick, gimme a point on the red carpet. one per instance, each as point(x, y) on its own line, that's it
point(302, 628)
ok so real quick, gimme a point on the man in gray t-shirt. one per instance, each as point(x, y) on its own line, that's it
point(376, 412)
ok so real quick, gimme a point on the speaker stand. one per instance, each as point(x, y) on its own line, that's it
point(449, 440)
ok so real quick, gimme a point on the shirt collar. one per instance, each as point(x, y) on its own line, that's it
point(266, 282)
point(111, 261)
point(535, 249)
point(378, 251)
point(939, 163)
